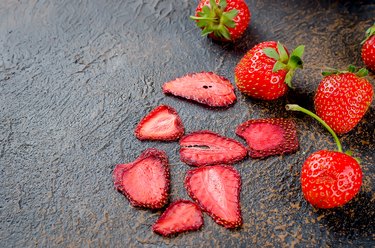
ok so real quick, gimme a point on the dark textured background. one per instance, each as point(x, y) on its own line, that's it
point(77, 76)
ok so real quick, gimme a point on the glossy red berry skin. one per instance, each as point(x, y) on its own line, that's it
point(330, 179)
point(368, 53)
point(341, 100)
point(254, 75)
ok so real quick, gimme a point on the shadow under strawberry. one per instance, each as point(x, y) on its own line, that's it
point(356, 218)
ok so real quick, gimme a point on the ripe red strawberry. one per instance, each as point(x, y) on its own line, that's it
point(180, 216)
point(205, 87)
point(224, 20)
point(145, 181)
point(217, 191)
point(342, 99)
point(368, 49)
point(162, 123)
point(204, 147)
point(266, 71)
point(267, 137)
point(330, 179)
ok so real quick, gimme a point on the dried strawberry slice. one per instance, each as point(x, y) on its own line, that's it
point(204, 147)
point(267, 137)
point(217, 191)
point(205, 87)
point(180, 216)
point(145, 181)
point(162, 123)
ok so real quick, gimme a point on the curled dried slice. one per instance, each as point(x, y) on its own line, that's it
point(205, 87)
point(267, 137)
point(180, 216)
point(204, 147)
point(217, 191)
point(162, 123)
point(145, 181)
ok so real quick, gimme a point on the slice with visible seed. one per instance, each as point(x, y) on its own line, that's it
point(205, 87)
point(267, 137)
point(180, 216)
point(204, 147)
point(217, 191)
point(162, 123)
point(145, 181)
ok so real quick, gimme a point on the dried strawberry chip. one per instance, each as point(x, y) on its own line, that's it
point(267, 137)
point(180, 216)
point(217, 191)
point(145, 182)
point(205, 87)
point(204, 147)
point(162, 123)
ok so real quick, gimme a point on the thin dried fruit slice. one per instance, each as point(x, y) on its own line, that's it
point(205, 87)
point(267, 137)
point(145, 181)
point(162, 123)
point(217, 191)
point(204, 147)
point(180, 216)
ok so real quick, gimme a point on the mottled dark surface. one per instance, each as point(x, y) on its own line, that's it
point(77, 76)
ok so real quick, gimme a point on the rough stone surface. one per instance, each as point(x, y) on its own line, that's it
point(77, 76)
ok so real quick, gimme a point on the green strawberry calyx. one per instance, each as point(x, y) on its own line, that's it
point(359, 72)
point(369, 32)
point(286, 62)
point(213, 19)
point(295, 107)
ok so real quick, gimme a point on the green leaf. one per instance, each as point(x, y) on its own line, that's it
point(271, 53)
point(206, 31)
point(278, 66)
point(298, 52)
point(363, 72)
point(328, 73)
point(231, 14)
point(282, 52)
point(223, 4)
point(224, 32)
point(295, 62)
point(352, 68)
point(227, 20)
point(288, 78)
point(369, 32)
point(213, 3)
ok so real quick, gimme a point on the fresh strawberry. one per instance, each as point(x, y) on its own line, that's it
point(205, 87)
point(368, 49)
point(329, 179)
point(267, 137)
point(217, 190)
point(224, 20)
point(204, 147)
point(162, 123)
point(342, 98)
point(266, 71)
point(180, 216)
point(145, 181)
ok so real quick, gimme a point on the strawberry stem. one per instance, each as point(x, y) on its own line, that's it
point(295, 107)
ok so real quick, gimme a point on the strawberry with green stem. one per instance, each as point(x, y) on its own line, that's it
point(266, 71)
point(368, 48)
point(224, 20)
point(329, 179)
